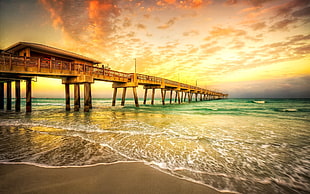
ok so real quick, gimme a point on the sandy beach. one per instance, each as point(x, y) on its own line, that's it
point(114, 178)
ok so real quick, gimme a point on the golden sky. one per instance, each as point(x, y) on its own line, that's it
point(248, 48)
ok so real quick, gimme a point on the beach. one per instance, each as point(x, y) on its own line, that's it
point(133, 177)
point(232, 145)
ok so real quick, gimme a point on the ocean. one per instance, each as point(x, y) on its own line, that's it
point(233, 145)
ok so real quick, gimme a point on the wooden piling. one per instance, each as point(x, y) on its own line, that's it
point(114, 97)
point(145, 96)
point(123, 96)
point(90, 98)
point(17, 95)
point(179, 100)
point(87, 96)
point(182, 96)
point(67, 96)
point(176, 96)
point(9, 95)
point(170, 96)
point(77, 97)
point(153, 95)
point(135, 96)
point(28, 96)
point(1, 95)
point(163, 96)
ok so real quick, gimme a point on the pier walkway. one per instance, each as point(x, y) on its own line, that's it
point(16, 68)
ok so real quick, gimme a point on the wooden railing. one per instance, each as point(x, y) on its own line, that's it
point(43, 65)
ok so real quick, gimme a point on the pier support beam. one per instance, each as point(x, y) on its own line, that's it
point(145, 96)
point(67, 96)
point(135, 96)
point(176, 96)
point(114, 97)
point(87, 96)
point(9, 95)
point(163, 96)
point(123, 97)
point(28, 95)
point(179, 100)
point(77, 97)
point(153, 95)
point(1, 95)
point(17, 95)
point(170, 96)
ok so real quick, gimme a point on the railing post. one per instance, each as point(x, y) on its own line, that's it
point(11, 67)
point(50, 66)
point(39, 64)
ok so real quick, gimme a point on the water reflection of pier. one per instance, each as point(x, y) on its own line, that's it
point(24, 61)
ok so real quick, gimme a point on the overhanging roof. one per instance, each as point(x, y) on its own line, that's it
point(49, 50)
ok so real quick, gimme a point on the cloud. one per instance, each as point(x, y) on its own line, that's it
point(305, 12)
point(191, 33)
point(282, 25)
point(168, 24)
point(258, 26)
point(141, 26)
point(217, 32)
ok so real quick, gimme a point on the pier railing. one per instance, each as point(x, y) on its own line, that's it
point(39, 66)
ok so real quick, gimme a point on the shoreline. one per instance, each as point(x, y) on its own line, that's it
point(131, 177)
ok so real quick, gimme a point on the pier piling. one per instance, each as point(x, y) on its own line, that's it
point(67, 96)
point(17, 95)
point(1, 95)
point(8, 95)
point(77, 97)
point(28, 95)
point(123, 96)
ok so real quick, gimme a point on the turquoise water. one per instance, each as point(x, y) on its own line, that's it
point(231, 145)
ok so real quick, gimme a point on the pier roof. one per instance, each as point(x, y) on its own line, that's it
point(49, 50)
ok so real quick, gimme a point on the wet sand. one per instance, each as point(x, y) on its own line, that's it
point(114, 178)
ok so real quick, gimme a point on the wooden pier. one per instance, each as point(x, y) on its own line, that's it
point(24, 61)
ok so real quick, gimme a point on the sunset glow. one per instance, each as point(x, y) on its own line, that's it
point(221, 44)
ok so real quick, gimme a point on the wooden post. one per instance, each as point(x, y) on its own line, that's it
point(17, 95)
point(86, 97)
point(145, 96)
point(135, 96)
point(163, 95)
point(153, 95)
point(182, 96)
point(114, 96)
point(196, 94)
point(179, 100)
point(9, 95)
point(1, 95)
point(67, 96)
point(28, 95)
point(77, 97)
point(51, 66)
point(39, 64)
point(124, 96)
point(170, 96)
point(90, 97)
point(176, 96)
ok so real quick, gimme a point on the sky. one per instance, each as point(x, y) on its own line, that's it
point(246, 48)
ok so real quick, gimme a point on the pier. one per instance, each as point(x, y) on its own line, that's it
point(24, 61)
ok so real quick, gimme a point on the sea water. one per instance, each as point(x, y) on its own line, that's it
point(232, 145)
